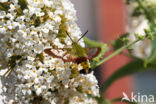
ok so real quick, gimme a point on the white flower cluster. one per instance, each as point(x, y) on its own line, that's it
point(27, 27)
point(142, 49)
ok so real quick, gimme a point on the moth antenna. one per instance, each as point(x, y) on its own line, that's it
point(69, 36)
point(83, 35)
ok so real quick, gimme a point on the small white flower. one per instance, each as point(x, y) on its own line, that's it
point(38, 48)
point(11, 15)
point(13, 7)
point(34, 30)
point(31, 9)
point(3, 30)
point(31, 57)
point(42, 69)
point(49, 24)
point(23, 32)
point(39, 14)
point(26, 91)
point(36, 71)
point(44, 29)
point(48, 3)
point(57, 18)
point(27, 75)
point(49, 78)
point(12, 25)
point(2, 14)
point(52, 102)
point(39, 89)
point(58, 43)
point(3, 1)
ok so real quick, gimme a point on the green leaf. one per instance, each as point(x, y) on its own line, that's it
point(40, 57)
point(4, 6)
point(130, 68)
point(23, 4)
point(120, 41)
point(137, 11)
point(12, 60)
point(127, 2)
point(153, 52)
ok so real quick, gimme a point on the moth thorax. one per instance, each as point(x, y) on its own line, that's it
point(80, 60)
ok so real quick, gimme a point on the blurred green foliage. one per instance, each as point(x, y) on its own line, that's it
point(147, 9)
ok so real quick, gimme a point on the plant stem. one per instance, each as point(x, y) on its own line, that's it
point(117, 52)
point(92, 43)
point(95, 44)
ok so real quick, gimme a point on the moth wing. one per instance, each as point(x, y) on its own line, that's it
point(61, 53)
point(93, 52)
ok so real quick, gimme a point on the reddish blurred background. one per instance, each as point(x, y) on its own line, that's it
point(108, 19)
point(112, 24)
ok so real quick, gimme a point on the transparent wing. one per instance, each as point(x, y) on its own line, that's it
point(93, 52)
point(61, 53)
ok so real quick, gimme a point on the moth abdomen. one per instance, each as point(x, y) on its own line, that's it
point(85, 71)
